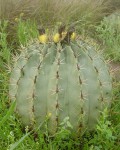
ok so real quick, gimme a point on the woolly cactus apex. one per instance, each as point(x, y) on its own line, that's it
point(64, 80)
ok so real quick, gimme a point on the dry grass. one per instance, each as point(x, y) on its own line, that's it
point(86, 13)
point(48, 12)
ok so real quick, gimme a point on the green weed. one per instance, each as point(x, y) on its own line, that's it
point(104, 138)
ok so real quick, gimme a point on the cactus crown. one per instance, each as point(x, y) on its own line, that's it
point(64, 78)
point(62, 35)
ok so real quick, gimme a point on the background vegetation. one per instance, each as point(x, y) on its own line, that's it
point(98, 20)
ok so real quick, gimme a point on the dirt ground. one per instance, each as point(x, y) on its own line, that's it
point(115, 67)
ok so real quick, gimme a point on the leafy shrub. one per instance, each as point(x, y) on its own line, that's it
point(104, 138)
point(109, 32)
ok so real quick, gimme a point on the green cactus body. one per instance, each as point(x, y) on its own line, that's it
point(66, 80)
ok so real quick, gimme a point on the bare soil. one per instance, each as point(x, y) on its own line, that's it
point(115, 67)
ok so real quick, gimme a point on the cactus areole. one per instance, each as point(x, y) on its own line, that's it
point(60, 80)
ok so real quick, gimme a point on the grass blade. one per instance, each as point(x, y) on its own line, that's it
point(13, 146)
point(8, 114)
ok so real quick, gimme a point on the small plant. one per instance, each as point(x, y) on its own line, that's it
point(63, 138)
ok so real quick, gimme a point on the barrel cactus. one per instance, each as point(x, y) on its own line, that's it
point(63, 79)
